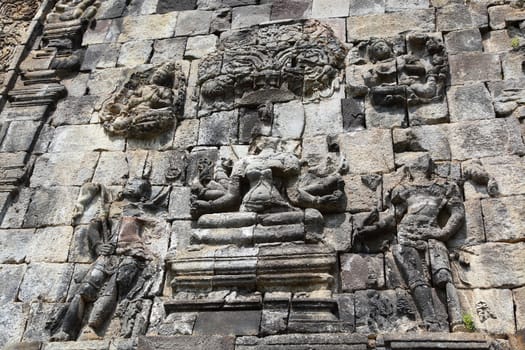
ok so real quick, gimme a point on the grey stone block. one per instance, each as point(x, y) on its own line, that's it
point(470, 102)
point(217, 342)
point(74, 110)
point(46, 282)
point(474, 66)
point(64, 169)
point(51, 206)
point(247, 16)
point(284, 9)
point(362, 271)
point(463, 40)
point(504, 218)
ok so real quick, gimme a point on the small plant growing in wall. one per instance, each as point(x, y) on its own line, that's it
point(515, 43)
point(468, 321)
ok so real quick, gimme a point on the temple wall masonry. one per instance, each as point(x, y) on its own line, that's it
point(262, 174)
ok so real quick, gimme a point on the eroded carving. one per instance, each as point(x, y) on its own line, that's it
point(425, 213)
point(124, 269)
point(394, 75)
point(274, 63)
point(148, 104)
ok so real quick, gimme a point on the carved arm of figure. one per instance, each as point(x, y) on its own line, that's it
point(324, 194)
point(456, 209)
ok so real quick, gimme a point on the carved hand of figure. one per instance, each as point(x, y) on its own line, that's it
point(105, 249)
point(330, 198)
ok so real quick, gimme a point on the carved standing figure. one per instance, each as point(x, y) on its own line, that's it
point(115, 238)
point(426, 213)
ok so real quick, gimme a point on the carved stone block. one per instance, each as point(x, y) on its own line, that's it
point(46, 282)
point(218, 342)
point(15, 245)
point(359, 271)
point(504, 218)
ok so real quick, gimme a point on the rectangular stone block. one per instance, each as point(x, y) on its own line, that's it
point(519, 307)
point(362, 271)
point(20, 136)
point(219, 128)
point(485, 138)
point(148, 27)
point(50, 244)
point(323, 118)
point(389, 24)
point(11, 276)
point(507, 171)
point(470, 102)
point(504, 218)
point(78, 138)
point(228, 323)
point(474, 66)
point(193, 23)
point(12, 323)
point(289, 120)
point(463, 40)
point(51, 206)
point(15, 245)
point(368, 151)
point(217, 342)
point(334, 8)
point(284, 9)
point(46, 282)
point(64, 169)
point(490, 265)
point(246, 16)
point(179, 206)
point(492, 310)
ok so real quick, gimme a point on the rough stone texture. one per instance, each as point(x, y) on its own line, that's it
point(488, 265)
point(284, 9)
point(360, 271)
point(64, 169)
point(504, 218)
point(491, 310)
point(51, 206)
point(46, 282)
point(140, 28)
point(368, 151)
point(289, 120)
point(133, 53)
point(168, 49)
point(185, 342)
point(50, 244)
point(469, 102)
point(12, 276)
point(219, 128)
point(463, 40)
point(250, 15)
point(336, 8)
point(474, 67)
point(193, 23)
point(519, 300)
point(76, 138)
point(13, 316)
point(15, 245)
point(485, 138)
point(389, 24)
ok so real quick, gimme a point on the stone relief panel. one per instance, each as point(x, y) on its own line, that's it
point(149, 103)
point(274, 63)
point(113, 297)
point(15, 17)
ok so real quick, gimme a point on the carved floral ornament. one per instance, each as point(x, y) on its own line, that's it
point(274, 63)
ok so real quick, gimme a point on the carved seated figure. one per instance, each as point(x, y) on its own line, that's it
point(267, 183)
point(146, 105)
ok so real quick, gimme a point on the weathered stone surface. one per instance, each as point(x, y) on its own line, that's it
point(85, 345)
point(141, 7)
point(473, 231)
point(363, 192)
point(179, 207)
point(187, 343)
point(428, 114)
point(51, 206)
point(133, 53)
point(64, 169)
point(323, 118)
point(140, 28)
point(366, 7)
point(304, 342)
point(469, 102)
point(218, 129)
point(193, 23)
point(367, 151)
point(463, 40)
point(512, 64)
point(74, 110)
point(362, 271)
point(96, 33)
point(13, 320)
point(50, 244)
point(112, 169)
point(491, 265)
point(507, 172)
point(102, 82)
point(38, 317)
point(504, 218)
point(288, 120)
point(78, 138)
point(19, 136)
point(101, 56)
point(496, 41)
point(403, 5)
point(336, 8)
point(454, 17)
point(246, 16)
point(11, 276)
point(200, 46)
point(14, 245)
point(384, 311)
point(46, 282)
point(492, 310)
point(228, 323)
point(284, 9)
point(389, 24)
point(519, 304)
point(168, 49)
point(186, 134)
point(474, 66)
point(164, 6)
point(485, 138)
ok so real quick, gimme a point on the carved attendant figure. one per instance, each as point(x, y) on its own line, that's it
point(427, 212)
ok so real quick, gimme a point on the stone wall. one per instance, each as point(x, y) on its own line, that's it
point(257, 174)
